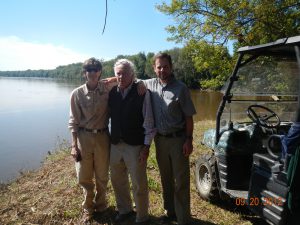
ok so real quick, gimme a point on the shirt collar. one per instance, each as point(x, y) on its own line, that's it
point(172, 80)
point(126, 90)
point(86, 90)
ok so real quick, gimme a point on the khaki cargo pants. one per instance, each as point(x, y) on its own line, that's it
point(94, 164)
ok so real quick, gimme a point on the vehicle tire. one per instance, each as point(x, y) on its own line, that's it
point(206, 180)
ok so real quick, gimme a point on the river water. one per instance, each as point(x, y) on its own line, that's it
point(34, 115)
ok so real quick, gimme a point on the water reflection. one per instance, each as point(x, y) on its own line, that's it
point(34, 113)
point(206, 103)
point(33, 117)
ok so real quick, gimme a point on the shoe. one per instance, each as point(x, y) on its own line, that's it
point(146, 222)
point(168, 218)
point(102, 214)
point(122, 217)
point(142, 221)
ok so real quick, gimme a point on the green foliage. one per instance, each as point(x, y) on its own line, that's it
point(187, 66)
point(72, 71)
point(204, 26)
point(217, 21)
point(139, 61)
point(149, 72)
point(108, 68)
point(213, 62)
point(183, 67)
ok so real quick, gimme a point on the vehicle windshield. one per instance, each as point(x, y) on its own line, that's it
point(271, 81)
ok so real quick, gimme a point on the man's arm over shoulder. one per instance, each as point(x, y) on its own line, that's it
point(148, 83)
point(109, 83)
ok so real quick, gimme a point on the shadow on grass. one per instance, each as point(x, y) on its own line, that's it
point(108, 216)
point(195, 221)
point(229, 204)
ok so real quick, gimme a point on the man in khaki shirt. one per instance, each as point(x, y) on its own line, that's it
point(90, 140)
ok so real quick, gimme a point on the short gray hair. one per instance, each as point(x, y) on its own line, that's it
point(126, 63)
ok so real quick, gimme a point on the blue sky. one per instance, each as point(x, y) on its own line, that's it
point(43, 34)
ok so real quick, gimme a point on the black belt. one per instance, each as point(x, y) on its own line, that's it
point(179, 133)
point(95, 131)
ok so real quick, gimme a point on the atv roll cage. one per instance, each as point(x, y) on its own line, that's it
point(285, 46)
point(258, 117)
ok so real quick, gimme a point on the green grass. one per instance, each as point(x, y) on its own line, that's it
point(50, 195)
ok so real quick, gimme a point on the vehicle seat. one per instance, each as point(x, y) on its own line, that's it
point(239, 140)
point(264, 161)
point(271, 161)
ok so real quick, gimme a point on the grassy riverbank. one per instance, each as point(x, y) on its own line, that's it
point(51, 195)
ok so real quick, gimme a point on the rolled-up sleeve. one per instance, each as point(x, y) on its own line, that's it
point(148, 124)
point(74, 113)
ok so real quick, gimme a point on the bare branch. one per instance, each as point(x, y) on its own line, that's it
point(105, 17)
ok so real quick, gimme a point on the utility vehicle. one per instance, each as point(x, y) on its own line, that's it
point(260, 103)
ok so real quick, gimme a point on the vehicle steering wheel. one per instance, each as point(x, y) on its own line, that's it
point(263, 118)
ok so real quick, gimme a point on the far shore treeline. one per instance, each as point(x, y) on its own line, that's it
point(184, 68)
point(204, 30)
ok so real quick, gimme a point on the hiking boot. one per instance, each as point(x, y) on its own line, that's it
point(168, 218)
point(122, 217)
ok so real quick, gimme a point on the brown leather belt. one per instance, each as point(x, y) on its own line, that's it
point(95, 131)
point(178, 133)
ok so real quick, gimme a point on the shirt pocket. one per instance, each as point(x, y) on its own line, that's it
point(86, 102)
point(172, 102)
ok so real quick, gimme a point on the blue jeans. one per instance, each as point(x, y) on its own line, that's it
point(292, 140)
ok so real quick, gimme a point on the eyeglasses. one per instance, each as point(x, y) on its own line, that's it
point(92, 70)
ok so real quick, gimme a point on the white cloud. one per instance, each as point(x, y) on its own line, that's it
point(17, 54)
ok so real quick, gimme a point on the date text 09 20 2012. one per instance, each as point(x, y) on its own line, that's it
point(255, 201)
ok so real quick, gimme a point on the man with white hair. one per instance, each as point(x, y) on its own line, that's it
point(132, 130)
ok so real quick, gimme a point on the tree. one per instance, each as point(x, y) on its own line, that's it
point(149, 72)
point(139, 61)
point(183, 66)
point(108, 68)
point(213, 62)
point(217, 21)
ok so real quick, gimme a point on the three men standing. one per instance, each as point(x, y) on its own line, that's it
point(132, 130)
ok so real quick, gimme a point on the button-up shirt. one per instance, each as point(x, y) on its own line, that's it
point(171, 104)
point(89, 108)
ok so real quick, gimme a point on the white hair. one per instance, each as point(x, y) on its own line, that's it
point(126, 63)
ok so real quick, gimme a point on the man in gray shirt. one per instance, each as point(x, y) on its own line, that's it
point(173, 110)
